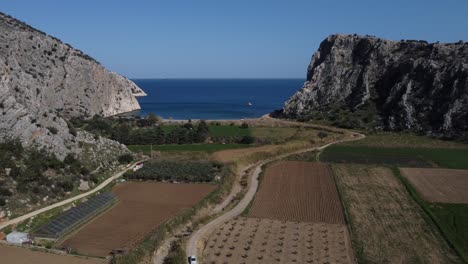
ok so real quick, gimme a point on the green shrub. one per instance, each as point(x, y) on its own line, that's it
point(244, 125)
point(322, 134)
point(176, 255)
point(53, 130)
point(247, 140)
point(125, 158)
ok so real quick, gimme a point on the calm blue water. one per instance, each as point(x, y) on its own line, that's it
point(214, 98)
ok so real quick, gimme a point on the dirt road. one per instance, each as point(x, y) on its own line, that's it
point(64, 202)
point(197, 239)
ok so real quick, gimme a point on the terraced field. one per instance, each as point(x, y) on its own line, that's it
point(386, 224)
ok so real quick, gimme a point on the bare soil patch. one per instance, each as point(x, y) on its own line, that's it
point(387, 225)
point(439, 185)
point(298, 191)
point(249, 240)
point(143, 206)
point(17, 255)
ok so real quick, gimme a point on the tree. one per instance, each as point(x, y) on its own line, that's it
point(244, 125)
point(203, 131)
point(125, 158)
point(153, 119)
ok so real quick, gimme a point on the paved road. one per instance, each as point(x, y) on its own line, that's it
point(64, 202)
point(200, 234)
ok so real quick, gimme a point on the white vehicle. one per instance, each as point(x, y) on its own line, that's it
point(192, 260)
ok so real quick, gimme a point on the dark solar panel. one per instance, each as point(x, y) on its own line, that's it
point(65, 222)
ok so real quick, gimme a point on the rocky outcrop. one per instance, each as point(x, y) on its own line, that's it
point(358, 81)
point(44, 81)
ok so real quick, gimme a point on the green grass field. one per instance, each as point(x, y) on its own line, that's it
point(229, 131)
point(415, 157)
point(391, 139)
point(453, 220)
point(209, 148)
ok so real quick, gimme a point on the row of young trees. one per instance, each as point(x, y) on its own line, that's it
point(185, 171)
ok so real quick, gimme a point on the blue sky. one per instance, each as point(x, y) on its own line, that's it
point(230, 39)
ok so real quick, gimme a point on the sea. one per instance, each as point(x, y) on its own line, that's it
point(214, 99)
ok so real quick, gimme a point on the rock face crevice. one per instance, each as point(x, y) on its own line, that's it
point(43, 82)
point(391, 85)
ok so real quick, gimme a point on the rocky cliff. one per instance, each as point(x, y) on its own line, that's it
point(363, 81)
point(43, 82)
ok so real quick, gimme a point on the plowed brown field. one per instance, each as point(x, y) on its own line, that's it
point(142, 207)
point(17, 255)
point(298, 191)
point(249, 240)
point(439, 185)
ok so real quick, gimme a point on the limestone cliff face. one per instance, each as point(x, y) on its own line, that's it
point(393, 85)
point(44, 81)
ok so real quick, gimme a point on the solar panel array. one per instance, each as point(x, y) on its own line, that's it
point(67, 221)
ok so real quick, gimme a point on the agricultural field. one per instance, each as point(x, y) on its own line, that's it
point(298, 191)
point(404, 140)
point(402, 157)
point(439, 185)
point(18, 255)
point(142, 207)
point(278, 135)
point(442, 193)
point(453, 221)
point(254, 154)
point(209, 148)
point(385, 220)
point(249, 240)
point(295, 217)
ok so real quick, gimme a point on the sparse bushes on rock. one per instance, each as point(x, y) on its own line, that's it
point(53, 130)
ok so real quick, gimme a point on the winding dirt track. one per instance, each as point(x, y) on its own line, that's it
point(64, 202)
point(198, 238)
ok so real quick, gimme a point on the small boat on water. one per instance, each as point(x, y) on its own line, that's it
point(249, 104)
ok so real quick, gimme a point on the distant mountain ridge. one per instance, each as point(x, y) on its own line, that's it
point(43, 82)
point(362, 81)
